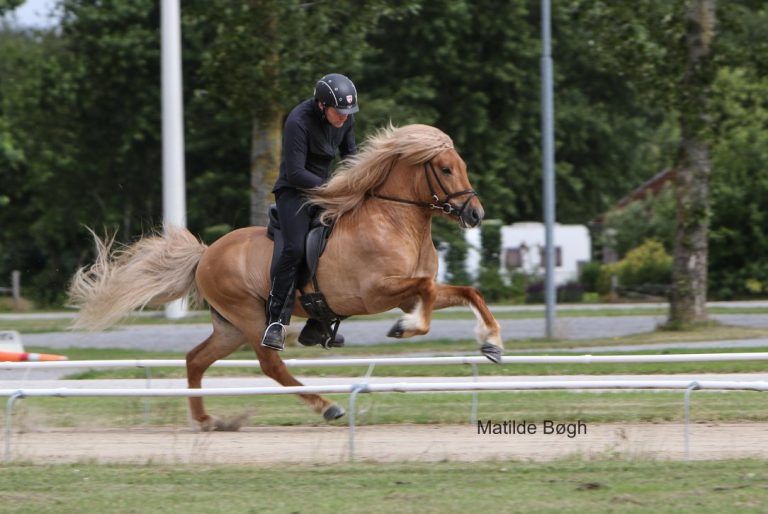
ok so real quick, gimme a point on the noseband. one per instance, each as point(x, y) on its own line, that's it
point(443, 204)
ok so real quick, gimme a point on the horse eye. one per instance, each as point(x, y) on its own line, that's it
point(446, 171)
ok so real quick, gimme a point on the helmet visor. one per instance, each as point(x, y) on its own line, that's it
point(347, 110)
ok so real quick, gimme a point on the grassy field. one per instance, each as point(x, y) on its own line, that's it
point(444, 487)
point(608, 485)
point(58, 325)
point(389, 408)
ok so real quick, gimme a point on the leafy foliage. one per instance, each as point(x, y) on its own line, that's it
point(80, 127)
point(652, 217)
point(739, 233)
point(647, 267)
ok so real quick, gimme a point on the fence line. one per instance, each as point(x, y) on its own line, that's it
point(355, 389)
point(399, 361)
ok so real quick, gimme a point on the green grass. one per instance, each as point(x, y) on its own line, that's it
point(60, 325)
point(371, 488)
point(390, 408)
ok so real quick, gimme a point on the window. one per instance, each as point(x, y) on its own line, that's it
point(558, 256)
point(513, 258)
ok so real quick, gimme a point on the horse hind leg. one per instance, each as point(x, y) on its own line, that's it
point(225, 339)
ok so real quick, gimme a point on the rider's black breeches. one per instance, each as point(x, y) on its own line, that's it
point(294, 219)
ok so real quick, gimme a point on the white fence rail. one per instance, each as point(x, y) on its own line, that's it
point(398, 361)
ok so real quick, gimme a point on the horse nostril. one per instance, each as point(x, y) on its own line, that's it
point(476, 217)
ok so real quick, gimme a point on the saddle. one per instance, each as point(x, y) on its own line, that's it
point(314, 303)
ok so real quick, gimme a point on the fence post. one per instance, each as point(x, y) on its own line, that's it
point(16, 288)
point(686, 414)
point(8, 422)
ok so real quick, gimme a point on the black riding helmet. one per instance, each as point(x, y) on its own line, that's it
point(337, 91)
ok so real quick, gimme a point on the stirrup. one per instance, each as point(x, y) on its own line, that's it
point(274, 338)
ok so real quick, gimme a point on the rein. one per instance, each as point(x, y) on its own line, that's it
point(445, 204)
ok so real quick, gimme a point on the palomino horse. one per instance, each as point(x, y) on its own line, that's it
point(380, 256)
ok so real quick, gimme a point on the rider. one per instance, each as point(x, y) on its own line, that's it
point(314, 131)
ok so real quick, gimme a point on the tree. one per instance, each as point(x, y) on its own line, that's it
point(669, 46)
point(7, 6)
point(266, 55)
point(80, 126)
point(688, 302)
point(476, 77)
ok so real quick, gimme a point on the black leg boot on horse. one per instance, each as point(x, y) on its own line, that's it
point(316, 332)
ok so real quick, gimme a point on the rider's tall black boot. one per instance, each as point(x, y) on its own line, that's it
point(279, 310)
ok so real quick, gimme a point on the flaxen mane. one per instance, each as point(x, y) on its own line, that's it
point(365, 171)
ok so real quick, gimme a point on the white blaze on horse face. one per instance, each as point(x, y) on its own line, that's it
point(484, 333)
point(414, 322)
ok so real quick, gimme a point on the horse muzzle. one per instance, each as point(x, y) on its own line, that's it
point(471, 216)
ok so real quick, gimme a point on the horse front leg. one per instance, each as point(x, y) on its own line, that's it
point(488, 330)
point(418, 302)
point(274, 367)
point(254, 323)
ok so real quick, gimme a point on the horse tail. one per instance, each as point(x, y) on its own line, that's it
point(154, 270)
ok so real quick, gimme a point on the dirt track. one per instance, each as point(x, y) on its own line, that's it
point(322, 444)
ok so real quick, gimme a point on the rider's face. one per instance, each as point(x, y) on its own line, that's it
point(334, 117)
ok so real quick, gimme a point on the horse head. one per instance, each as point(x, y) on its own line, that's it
point(449, 189)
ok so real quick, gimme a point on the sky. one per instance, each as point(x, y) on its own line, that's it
point(34, 14)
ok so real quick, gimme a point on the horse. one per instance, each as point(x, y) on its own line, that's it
point(379, 256)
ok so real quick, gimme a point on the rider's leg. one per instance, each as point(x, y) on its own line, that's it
point(294, 225)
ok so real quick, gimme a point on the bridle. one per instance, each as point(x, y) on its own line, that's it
point(443, 204)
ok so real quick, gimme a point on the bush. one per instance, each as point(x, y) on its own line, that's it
point(490, 282)
point(748, 282)
point(491, 285)
point(652, 217)
point(646, 269)
point(649, 263)
point(607, 271)
point(448, 233)
point(590, 274)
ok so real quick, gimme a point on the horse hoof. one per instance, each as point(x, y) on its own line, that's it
point(397, 330)
point(231, 425)
point(492, 352)
point(207, 424)
point(333, 412)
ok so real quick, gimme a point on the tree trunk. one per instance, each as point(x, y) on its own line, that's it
point(266, 145)
point(689, 269)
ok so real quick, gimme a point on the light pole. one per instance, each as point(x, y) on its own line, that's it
point(174, 191)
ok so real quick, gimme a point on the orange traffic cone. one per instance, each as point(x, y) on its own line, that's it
point(24, 356)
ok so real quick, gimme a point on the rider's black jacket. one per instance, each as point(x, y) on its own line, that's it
point(309, 147)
